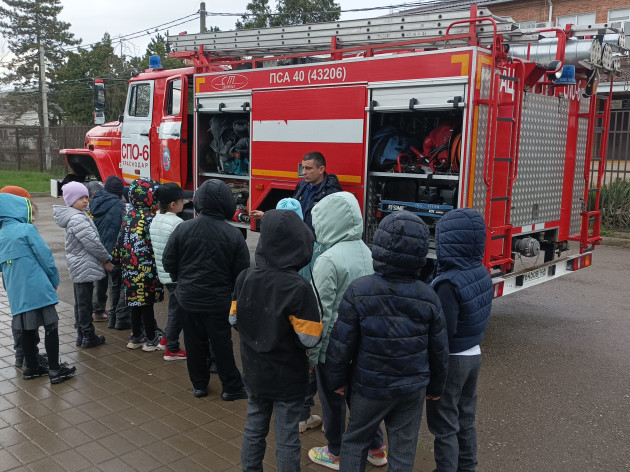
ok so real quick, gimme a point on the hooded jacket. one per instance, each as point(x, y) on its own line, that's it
point(205, 255)
point(27, 265)
point(460, 241)
point(134, 251)
point(338, 226)
point(390, 338)
point(328, 186)
point(276, 308)
point(161, 228)
point(108, 211)
point(84, 251)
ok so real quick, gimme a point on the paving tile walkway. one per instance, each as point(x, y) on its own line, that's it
point(125, 410)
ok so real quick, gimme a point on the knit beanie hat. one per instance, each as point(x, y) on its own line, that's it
point(94, 186)
point(72, 191)
point(115, 185)
point(15, 190)
point(290, 204)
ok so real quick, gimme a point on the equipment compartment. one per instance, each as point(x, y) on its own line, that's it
point(414, 160)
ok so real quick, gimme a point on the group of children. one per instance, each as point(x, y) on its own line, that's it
point(376, 338)
point(379, 340)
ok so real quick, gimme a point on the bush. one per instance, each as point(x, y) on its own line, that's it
point(615, 205)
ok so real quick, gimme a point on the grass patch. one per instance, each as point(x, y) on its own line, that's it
point(34, 182)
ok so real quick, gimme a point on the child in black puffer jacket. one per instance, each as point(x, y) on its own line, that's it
point(390, 344)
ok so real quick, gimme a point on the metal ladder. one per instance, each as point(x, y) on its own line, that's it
point(314, 37)
point(591, 216)
point(505, 117)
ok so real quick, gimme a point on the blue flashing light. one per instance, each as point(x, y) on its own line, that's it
point(154, 62)
point(567, 77)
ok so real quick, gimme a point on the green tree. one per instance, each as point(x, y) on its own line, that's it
point(289, 12)
point(72, 89)
point(260, 15)
point(29, 25)
point(298, 12)
point(159, 47)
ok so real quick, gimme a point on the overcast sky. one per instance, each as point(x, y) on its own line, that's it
point(91, 19)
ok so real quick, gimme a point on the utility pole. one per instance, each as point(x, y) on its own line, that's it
point(42, 83)
point(202, 17)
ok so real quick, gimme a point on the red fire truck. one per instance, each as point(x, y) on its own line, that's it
point(423, 113)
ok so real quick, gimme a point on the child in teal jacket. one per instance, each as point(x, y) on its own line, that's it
point(31, 279)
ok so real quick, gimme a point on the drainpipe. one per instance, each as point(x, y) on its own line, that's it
point(550, 12)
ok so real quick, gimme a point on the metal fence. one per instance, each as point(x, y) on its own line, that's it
point(618, 151)
point(23, 147)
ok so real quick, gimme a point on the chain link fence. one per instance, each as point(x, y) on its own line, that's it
point(24, 148)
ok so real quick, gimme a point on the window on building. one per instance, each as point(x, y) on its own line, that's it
point(174, 98)
point(621, 14)
point(140, 100)
point(581, 19)
point(527, 24)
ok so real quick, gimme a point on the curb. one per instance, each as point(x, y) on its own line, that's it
point(616, 242)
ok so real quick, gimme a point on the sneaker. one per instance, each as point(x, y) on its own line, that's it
point(233, 396)
point(135, 343)
point(92, 341)
point(39, 371)
point(313, 421)
point(42, 359)
point(62, 374)
point(321, 456)
point(174, 356)
point(100, 316)
point(378, 457)
point(150, 346)
point(162, 345)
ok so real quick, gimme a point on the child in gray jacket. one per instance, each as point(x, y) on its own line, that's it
point(87, 258)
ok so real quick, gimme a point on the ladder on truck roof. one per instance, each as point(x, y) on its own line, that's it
point(602, 45)
point(316, 37)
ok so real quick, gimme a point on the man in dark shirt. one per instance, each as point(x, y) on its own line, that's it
point(316, 185)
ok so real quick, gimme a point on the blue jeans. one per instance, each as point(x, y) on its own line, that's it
point(309, 399)
point(451, 419)
point(288, 445)
point(402, 416)
point(334, 414)
point(173, 324)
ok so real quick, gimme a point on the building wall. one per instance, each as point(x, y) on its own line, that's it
point(538, 10)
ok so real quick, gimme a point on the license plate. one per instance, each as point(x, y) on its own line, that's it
point(535, 274)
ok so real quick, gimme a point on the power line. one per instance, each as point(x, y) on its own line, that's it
point(142, 32)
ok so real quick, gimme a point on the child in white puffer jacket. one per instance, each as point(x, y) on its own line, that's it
point(87, 258)
point(170, 197)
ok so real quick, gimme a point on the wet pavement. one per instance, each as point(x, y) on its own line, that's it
point(125, 409)
point(554, 391)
